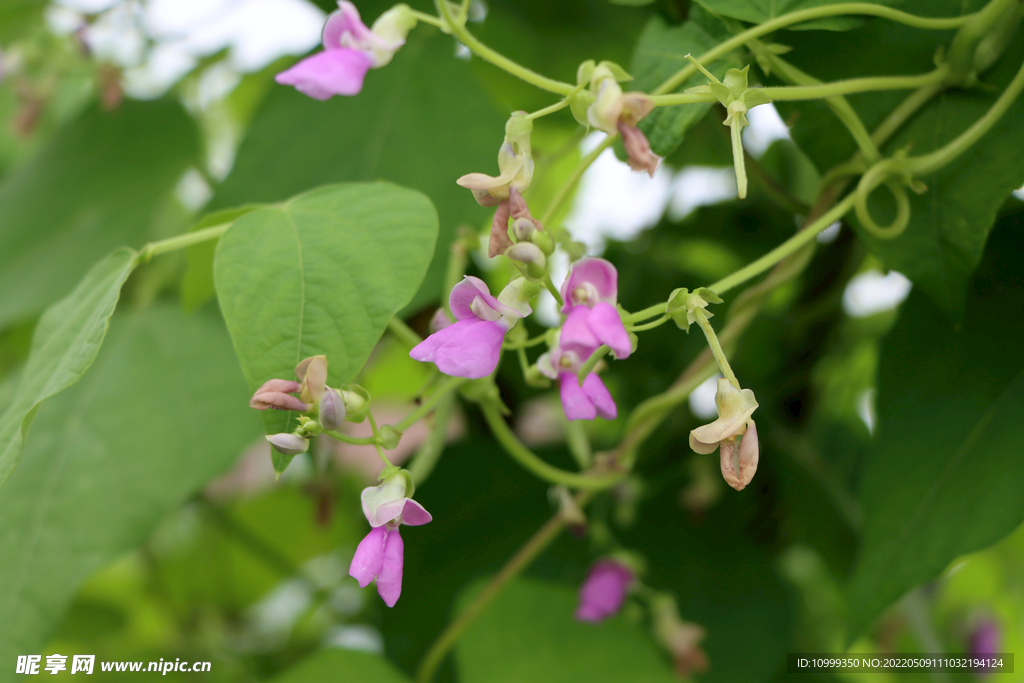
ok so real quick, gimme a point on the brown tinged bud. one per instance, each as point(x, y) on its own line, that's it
point(276, 394)
point(740, 463)
point(499, 240)
point(289, 444)
point(312, 372)
point(638, 149)
point(332, 409)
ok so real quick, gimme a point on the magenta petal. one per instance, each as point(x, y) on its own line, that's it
point(389, 579)
point(327, 73)
point(577, 334)
point(575, 402)
point(463, 295)
point(369, 557)
point(603, 591)
point(598, 394)
point(414, 514)
point(426, 350)
point(344, 20)
point(473, 352)
point(599, 273)
point(607, 326)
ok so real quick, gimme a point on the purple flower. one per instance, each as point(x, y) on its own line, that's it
point(603, 591)
point(277, 394)
point(350, 50)
point(380, 555)
point(471, 347)
point(589, 294)
point(586, 402)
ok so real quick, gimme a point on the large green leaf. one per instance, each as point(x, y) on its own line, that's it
point(950, 223)
point(65, 344)
point(321, 274)
point(343, 666)
point(197, 283)
point(945, 476)
point(421, 122)
point(529, 634)
point(760, 11)
point(97, 185)
point(661, 52)
point(161, 412)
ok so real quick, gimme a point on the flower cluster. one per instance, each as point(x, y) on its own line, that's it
point(614, 111)
point(350, 50)
point(381, 554)
point(589, 294)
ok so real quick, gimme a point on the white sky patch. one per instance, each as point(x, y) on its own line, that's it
point(356, 637)
point(702, 399)
point(614, 201)
point(766, 126)
point(866, 409)
point(697, 186)
point(872, 292)
point(830, 233)
point(89, 6)
point(1019, 194)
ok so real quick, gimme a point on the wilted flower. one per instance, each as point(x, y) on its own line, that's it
point(603, 591)
point(380, 555)
point(680, 638)
point(735, 406)
point(515, 163)
point(276, 394)
point(471, 347)
point(350, 50)
point(614, 111)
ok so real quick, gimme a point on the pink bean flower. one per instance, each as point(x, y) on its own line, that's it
point(471, 347)
point(586, 402)
point(603, 591)
point(381, 554)
point(350, 50)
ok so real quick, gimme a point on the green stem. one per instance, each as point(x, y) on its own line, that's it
point(588, 367)
point(447, 386)
point(529, 343)
point(649, 312)
point(429, 452)
point(579, 444)
point(403, 332)
point(715, 346)
point(557, 106)
point(525, 457)
point(785, 249)
point(181, 241)
point(457, 261)
point(554, 290)
point(520, 561)
point(502, 62)
point(427, 19)
point(736, 130)
point(800, 16)
point(649, 326)
point(566, 189)
point(359, 441)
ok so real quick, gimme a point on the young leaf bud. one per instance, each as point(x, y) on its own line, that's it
point(289, 444)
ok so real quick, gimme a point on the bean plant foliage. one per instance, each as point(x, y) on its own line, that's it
point(485, 356)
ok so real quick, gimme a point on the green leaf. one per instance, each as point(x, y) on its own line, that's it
point(421, 122)
point(760, 11)
point(944, 477)
point(65, 344)
point(97, 185)
point(197, 282)
point(529, 634)
point(344, 666)
point(161, 412)
point(321, 274)
point(631, 3)
point(949, 223)
point(661, 52)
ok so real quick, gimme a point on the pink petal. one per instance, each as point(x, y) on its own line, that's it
point(607, 326)
point(474, 353)
point(598, 394)
point(577, 334)
point(278, 401)
point(599, 273)
point(575, 402)
point(344, 20)
point(470, 289)
point(286, 386)
point(440, 321)
point(414, 514)
point(369, 557)
point(327, 73)
point(469, 348)
point(603, 591)
point(389, 579)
